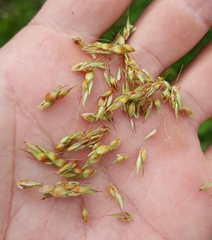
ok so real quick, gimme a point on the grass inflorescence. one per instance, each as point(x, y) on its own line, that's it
point(133, 90)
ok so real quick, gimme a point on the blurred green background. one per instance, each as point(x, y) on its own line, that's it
point(15, 14)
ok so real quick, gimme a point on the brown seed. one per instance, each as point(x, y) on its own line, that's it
point(53, 95)
point(185, 111)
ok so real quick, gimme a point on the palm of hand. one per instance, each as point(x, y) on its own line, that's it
point(165, 202)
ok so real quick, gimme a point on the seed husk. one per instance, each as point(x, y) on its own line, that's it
point(25, 183)
point(120, 157)
point(84, 214)
point(114, 144)
point(152, 133)
point(206, 186)
point(101, 150)
point(114, 192)
point(141, 159)
point(53, 95)
point(124, 216)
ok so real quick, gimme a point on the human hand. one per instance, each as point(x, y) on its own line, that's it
point(166, 203)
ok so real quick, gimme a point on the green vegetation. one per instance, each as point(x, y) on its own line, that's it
point(15, 14)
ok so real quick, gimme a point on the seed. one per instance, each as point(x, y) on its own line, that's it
point(123, 98)
point(94, 140)
point(150, 134)
point(35, 151)
point(96, 145)
point(124, 216)
point(64, 142)
point(136, 96)
point(83, 190)
point(119, 39)
point(206, 186)
point(114, 192)
point(109, 116)
point(125, 87)
point(132, 126)
point(85, 213)
point(84, 86)
point(77, 170)
point(156, 103)
point(113, 82)
point(69, 175)
point(165, 95)
point(149, 109)
point(62, 94)
point(101, 150)
point(131, 109)
point(60, 162)
point(84, 98)
point(70, 184)
point(141, 159)
point(116, 48)
point(185, 111)
point(44, 105)
point(93, 159)
point(114, 106)
point(121, 49)
point(176, 108)
point(90, 117)
point(89, 76)
point(59, 191)
point(78, 145)
point(68, 167)
point(98, 131)
point(118, 77)
point(148, 77)
point(114, 144)
point(24, 183)
point(109, 100)
point(89, 172)
point(120, 157)
point(46, 189)
point(53, 95)
point(78, 41)
point(88, 66)
point(100, 112)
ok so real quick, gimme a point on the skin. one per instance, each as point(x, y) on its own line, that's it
point(166, 203)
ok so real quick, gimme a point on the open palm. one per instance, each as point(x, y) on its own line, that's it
point(165, 203)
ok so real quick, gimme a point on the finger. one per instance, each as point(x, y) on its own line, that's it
point(195, 82)
point(167, 30)
point(89, 19)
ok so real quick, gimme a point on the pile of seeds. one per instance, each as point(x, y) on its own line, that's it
point(137, 98)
